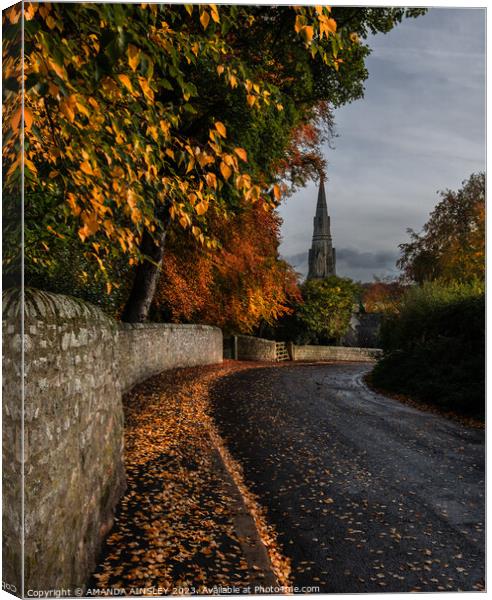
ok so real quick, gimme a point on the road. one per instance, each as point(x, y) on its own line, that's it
point(367, 494)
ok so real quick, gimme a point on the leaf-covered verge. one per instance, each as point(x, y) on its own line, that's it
point(175, 526)
point(425, 406)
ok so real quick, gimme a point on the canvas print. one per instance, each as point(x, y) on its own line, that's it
point(243, 299)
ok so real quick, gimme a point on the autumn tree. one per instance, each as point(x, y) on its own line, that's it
point(451, 246)
point(139, 116)
point(382, 296)
point(438, 330)
point(12, 195)
point(241, 285)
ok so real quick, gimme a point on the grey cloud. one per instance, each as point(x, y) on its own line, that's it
point(353, 263)
point(352, 257)
point(419, 129)
point(297, 260)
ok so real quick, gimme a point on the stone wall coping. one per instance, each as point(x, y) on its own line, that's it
point(349, 348)
point(256, 339)
point(129, 326)
point(51, 307)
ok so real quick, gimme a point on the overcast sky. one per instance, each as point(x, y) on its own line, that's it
point(420, 128)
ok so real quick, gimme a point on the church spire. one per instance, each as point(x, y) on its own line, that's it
point(322, 253)
point(321, 220)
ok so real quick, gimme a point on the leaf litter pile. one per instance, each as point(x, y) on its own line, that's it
point(176, 528)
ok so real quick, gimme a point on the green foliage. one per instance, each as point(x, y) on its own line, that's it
point(434, 349)
point(327, 306)
point(435, 344)
point(73, 274)
point(66, 266)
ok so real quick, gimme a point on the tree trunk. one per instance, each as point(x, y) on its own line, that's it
point(146, 277)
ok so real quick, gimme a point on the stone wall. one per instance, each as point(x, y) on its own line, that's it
point(77, 363)
point(252, 348)
point(73, 436)
point(147, 349)
point(11, 447)
point(313, 353)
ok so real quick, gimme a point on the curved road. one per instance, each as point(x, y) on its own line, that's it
point(367, 494)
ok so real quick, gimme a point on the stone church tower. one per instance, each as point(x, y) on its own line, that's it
point(322, 254)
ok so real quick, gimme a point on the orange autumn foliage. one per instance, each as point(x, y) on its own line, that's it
point(303, 158)
point(239, 286)
point(382, 296)
point(108, 98)
point(451, 245)
point(185, 286)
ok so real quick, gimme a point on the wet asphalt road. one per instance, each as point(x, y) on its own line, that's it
point(367, 494)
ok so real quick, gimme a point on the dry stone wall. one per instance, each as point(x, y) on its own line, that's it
point(252, 348)
point(77, 363)
point(143, 349)
point(11, 448)
point(73, 435)
point(335, 353)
